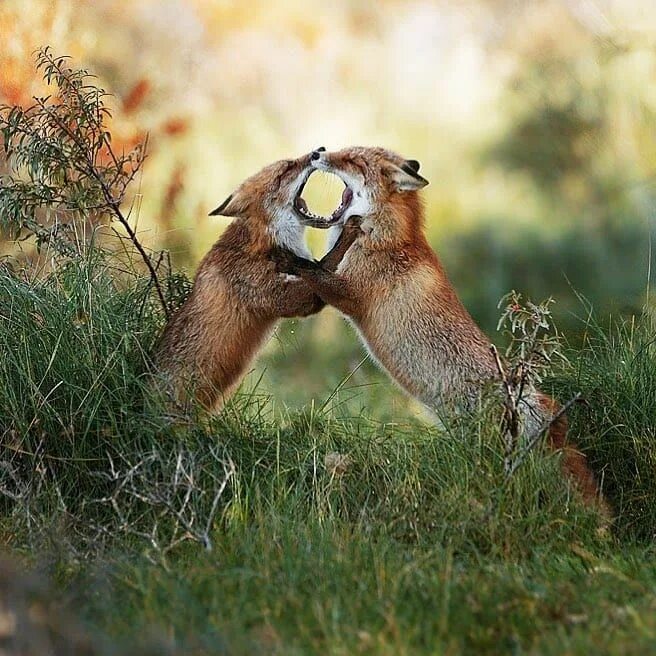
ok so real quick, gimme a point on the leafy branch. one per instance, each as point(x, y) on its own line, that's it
point(63, 168)
point(534, 345)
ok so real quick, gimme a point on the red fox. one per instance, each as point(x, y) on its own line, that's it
point(237, 294)
point(392, 287)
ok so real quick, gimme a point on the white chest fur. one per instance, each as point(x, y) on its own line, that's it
point(289, 233)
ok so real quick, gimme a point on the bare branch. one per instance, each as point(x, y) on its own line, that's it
point(537, 435)
point(511, 414)
point(533, 343)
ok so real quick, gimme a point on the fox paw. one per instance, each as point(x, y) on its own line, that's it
point(287, 262)
point(353, 225)
point(352, 229)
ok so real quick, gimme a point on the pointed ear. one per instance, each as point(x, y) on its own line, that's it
point(233, 205)
point(406, 178)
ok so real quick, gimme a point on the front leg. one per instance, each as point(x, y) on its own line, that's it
point(350, 232)
point(288, 262)
point(329, 286)
point(332, 289)
point(299, 300)
point(319, 277)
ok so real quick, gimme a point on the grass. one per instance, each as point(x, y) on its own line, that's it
point(615, 370)
point(335, 528)
point(275, 586)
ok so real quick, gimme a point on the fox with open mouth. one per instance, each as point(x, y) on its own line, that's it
point(394, 290)
point(238, 295)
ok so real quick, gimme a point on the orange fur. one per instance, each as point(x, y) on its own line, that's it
point(574, 462)
point(238, 295)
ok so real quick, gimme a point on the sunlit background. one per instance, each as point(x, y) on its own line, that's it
point(533, 121)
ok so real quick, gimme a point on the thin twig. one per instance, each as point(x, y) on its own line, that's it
point(511, 432)
point(533, 439)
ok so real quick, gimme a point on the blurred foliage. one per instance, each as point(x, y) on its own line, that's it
point(607, 267)
point(591, 234)
point(561, 122)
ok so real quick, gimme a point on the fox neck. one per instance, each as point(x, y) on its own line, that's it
point(398, 222)
point(263, 231)
point(284, 230)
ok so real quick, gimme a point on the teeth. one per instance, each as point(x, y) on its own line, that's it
point(302, 207)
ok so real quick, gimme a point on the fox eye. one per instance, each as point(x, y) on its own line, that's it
point(413, 165)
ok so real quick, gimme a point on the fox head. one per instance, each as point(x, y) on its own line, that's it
point(270, 203)
point(382, 188)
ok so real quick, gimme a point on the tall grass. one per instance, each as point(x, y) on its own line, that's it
point(78, 409)
point(320, 520)
point(615, 369)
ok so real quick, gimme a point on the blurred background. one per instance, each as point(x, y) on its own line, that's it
point(533, 121)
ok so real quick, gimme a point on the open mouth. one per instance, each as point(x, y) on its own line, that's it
point(313, 220)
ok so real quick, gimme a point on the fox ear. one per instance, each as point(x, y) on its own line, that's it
point(406, 178)
point(233, 205)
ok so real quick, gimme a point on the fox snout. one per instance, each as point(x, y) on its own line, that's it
point(316, 153)
point(319, 158)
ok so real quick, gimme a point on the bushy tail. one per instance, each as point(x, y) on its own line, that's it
point(574, 463)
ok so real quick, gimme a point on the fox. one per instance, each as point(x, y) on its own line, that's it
point(392, 287)
point(238, 295)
